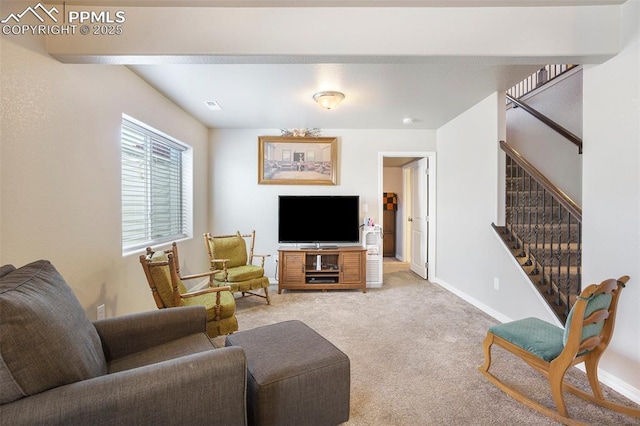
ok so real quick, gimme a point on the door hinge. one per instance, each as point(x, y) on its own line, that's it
point(426, 171)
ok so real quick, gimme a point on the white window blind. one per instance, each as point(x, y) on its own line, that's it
point(156, 187)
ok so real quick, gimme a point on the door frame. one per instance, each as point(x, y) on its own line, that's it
point(431, 243)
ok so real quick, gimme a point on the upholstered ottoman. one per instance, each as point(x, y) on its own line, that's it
point(295, 376)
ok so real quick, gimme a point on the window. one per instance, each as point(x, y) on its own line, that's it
point(156, 187)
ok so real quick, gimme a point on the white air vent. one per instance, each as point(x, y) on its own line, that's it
point(213, 105)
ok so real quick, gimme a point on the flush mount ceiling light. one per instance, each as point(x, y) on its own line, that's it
point(328, 100)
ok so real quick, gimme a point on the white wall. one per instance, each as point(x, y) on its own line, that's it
point(611, 189)
point(557, 158)
point(60, 172)
point(468, 254)
point(239, 203)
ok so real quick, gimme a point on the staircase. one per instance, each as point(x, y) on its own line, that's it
point(543, 226)
point(543, 231)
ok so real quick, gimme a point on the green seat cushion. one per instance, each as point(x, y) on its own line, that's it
point(227, 304)
point(241, 273)
point(538, 337)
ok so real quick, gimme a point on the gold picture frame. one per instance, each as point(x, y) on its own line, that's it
point(290, 160)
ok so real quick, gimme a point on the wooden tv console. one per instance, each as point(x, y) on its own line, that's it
point(340, 268)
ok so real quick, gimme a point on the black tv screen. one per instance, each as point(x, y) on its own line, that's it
point(319, 219)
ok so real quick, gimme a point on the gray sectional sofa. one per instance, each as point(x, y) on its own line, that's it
point(158, 367)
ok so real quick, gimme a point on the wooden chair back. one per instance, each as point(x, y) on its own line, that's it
point(586, 336)
point(591, 321)
point(163, 277)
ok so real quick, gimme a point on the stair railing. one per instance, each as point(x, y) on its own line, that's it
point(535, 81)
point(543, 230)
point(576, 140)
point(538, 79)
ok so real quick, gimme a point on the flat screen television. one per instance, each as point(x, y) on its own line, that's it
point(319, 219)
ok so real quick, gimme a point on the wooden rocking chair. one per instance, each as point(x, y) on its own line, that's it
point(552, 351)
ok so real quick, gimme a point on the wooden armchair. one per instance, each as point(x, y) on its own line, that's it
point(551, 350)
point(229, 255)
point(162, 269)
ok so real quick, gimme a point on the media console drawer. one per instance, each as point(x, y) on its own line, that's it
point(340, 268)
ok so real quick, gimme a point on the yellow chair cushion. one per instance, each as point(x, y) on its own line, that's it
point(161, 276)
point(241, 273)
point(253, 284)
point(232, 248)
point(227, 304)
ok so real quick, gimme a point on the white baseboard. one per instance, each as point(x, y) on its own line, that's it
point(615, 383)
point(623, 388)
point(484, 308)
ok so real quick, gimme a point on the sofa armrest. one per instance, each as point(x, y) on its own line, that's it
point(203, 388)
point(129, 334)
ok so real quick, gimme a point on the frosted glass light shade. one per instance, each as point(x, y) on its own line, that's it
point(328, 100)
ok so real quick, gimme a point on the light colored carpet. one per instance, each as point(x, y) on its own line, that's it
point(414, 350)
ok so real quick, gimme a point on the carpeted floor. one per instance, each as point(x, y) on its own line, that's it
point(414, 350)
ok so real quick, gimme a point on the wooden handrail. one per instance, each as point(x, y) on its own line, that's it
point(549, 122)
point(557, 193)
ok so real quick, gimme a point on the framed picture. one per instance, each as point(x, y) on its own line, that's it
point(290, 160)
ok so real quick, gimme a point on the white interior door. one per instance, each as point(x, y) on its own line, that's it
point(418, 217)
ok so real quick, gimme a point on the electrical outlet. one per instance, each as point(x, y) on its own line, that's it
point(496, 283)
point(101, 314)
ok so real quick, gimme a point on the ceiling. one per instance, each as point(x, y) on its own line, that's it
point(275, 92)
point(377, 95)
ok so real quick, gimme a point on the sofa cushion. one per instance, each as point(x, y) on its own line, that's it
point(177, 348)
point(5, 269)
point(46, 339)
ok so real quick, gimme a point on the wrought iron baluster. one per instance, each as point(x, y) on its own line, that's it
point(527, 231)
point(558, 262)
point(515, 231)
point(568, 263)
point(579, 259)
point(551, 250)
point(510, 164)
point(536, 247)
point(543, 263)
